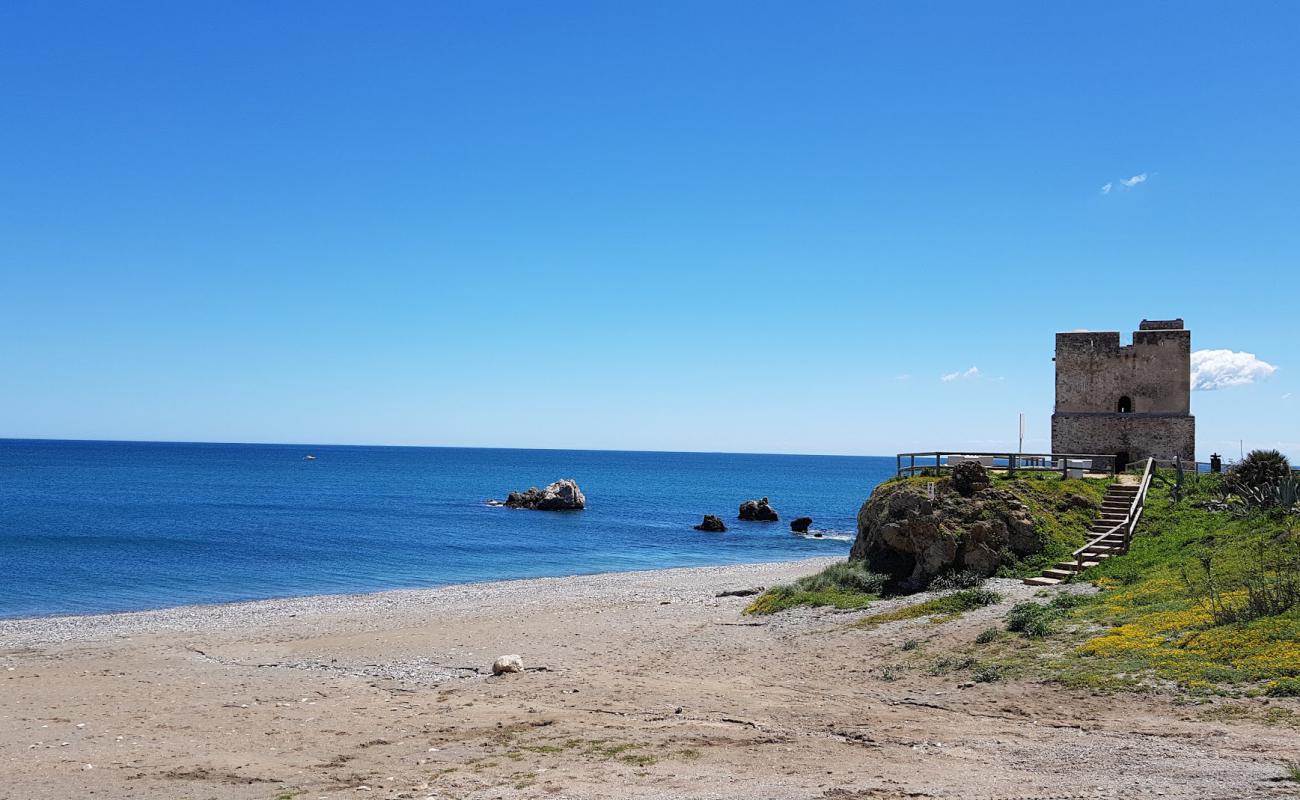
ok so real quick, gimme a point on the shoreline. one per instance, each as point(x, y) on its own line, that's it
point(377, 605)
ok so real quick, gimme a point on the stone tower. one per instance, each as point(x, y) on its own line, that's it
point(1128, 402)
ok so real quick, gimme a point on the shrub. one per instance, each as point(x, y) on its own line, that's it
point(987, 635)
point(889, 673)
point(848, 585)
point(850, 576)
point(963, 579)
point(1283, 687)
point(946, 664)
point(987, 673)
point(1032, 619)
point(911, 644)
point(1264, 582)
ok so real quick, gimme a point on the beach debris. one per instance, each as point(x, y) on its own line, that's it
point(506, 664)
point(712, 524)
point(563, 495)
point(801, 524)
point(758, 511)
point(753, 590)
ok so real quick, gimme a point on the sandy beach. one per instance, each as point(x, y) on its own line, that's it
point(637, 685)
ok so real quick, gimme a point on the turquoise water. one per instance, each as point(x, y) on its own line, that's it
point(111, 526)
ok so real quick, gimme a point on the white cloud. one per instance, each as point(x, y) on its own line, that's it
point(1129, 183)
point(970, 374)
point(1106, 188)
point(1218, 369)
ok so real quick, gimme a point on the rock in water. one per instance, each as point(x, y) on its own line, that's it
point(504, 664)
point(801, 524)
point(711, 524)
point(563, 495)
point(758, 511)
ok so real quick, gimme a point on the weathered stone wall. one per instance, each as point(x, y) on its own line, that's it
point(1139, 435)
point(1151, 378)
point(1093, 372)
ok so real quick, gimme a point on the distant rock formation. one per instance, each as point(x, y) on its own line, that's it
point(906, 534)
point(563, 495)
point(801, 524)
point(757, 511)
point(711, 524)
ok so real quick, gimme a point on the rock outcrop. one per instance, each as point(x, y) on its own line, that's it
point(758, 511)
point(905, 534)
point(969, 477)
point(801, 524)
point(563, 495)
point(711, 524)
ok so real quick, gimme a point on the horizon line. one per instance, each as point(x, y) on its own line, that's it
point(53, 439)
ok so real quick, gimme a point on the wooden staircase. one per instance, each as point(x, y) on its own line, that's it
point(1110, 533)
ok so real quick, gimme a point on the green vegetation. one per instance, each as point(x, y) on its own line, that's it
point(848, 585)
point(943, 608)
point(1205, 598)
point(1259, 468)
point(1039, 619)
point(1063, 511)
point(1283, 687)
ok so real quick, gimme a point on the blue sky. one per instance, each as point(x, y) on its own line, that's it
point(686, 226)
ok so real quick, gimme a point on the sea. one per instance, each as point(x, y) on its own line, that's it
point(95, 527)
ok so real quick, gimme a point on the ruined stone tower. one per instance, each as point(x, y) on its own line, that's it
point(1128, 402)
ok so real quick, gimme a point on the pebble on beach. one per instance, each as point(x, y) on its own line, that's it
point(505, 664)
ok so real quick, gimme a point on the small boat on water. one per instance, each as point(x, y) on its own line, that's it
point(309, 457)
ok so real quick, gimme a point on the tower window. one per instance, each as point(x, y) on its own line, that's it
point(1125, 405)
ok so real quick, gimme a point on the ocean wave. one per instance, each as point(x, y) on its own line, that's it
point(829, 535)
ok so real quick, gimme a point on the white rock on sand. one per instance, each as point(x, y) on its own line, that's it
point(504, 664)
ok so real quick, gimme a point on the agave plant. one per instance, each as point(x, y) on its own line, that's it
point(1282, 494)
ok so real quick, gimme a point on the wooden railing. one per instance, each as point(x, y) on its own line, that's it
point(1039, 462)
point(1128, 525)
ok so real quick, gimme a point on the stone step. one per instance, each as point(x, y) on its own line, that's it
point(1042, 580)
point(1073, 566)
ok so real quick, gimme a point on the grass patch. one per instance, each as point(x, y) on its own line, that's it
point(939, 609)
point(848, 585)
point(1200, 601)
